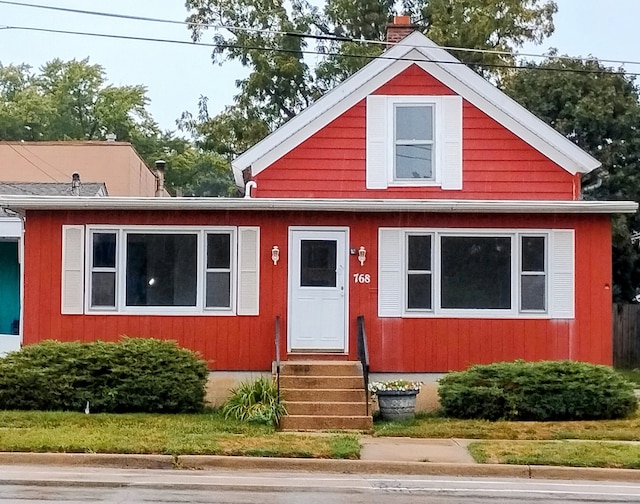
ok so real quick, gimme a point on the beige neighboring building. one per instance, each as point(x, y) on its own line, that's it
point(116, 164)
point(46, 169)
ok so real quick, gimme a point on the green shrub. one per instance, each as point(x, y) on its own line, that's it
point(132, 375)
point(255, 401)
point(549, 390)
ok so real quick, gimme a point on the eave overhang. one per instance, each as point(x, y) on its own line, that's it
point(27, 203)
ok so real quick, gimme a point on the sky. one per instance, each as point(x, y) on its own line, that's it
point(176, 75)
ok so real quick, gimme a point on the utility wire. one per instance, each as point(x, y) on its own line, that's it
point(310, 52)
point(296, 34)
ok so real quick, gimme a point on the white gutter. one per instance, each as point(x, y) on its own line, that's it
point(19, 203)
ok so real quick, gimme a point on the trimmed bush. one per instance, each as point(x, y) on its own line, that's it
point(132, 375)
point(548, 390)
point(255, 401)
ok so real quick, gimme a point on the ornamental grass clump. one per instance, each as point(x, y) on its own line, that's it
point(547, 390)
point(255, 401)
point(395, 386)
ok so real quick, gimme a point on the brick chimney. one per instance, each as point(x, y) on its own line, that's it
point(399, 29)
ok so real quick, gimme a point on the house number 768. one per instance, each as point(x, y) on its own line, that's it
point(362, 278)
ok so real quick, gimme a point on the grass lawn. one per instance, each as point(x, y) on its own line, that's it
point(208, 433)
point(433, 426)
point(558, 453)
point(633, 375)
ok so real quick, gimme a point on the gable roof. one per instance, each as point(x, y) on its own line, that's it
point(416, 49)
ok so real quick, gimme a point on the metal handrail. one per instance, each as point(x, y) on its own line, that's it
point(363, 357)
point(278, 355)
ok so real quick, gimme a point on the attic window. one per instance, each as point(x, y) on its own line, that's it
point(414, 141)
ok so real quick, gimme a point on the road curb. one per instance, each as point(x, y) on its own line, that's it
point(210, 462)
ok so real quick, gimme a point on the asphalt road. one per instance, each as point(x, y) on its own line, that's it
point(35, 484)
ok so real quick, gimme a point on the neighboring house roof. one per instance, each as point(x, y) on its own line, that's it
point(20, 203)
point(51, 189)
point(117, 164)
point(416, 49)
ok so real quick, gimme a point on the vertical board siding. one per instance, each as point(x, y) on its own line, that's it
point(496, 163)
point(626, 336)
point(395, 344)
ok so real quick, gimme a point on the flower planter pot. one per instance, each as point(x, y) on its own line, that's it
point(397, 404)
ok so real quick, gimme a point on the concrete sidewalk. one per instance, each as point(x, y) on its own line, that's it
point(400, 449)
point(379, 455)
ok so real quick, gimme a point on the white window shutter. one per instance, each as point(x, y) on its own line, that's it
point(390, 272)
point(377, 142)
point(72, 270)
point(451, 157)
point(248, 270)
point(562, 287)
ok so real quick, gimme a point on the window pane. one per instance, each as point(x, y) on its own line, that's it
point(532, 296)
point(103, 289)
point(413, 161)
point(161, 269)
point(318, 263)
point(476, 272)
point(414, 122)
point(218, 290)
point(419, 292)
point(219, 250)
point(104, 250)
point(533, 253)
point(419, 253)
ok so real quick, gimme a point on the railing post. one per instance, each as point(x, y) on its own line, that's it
point(278, 355)
point(363, 356)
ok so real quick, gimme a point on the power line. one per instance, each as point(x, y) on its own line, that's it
point(310, 52)
point(296, 34)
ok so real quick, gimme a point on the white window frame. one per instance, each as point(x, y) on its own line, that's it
point(447, 141)
point(515, 236)
point(522, 273)
point(437, 143)
point(398, 105)
point(121, 261)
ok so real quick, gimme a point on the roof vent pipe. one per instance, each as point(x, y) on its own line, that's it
point(247, 188)
point(75, 184)
point(111, 137)
point(160, 166)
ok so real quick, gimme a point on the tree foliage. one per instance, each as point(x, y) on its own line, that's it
point(598, 108)
point(264, 35)
point(71, 100)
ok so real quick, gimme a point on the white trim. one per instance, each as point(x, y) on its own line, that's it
point(436, 311)
point(72, 277)
point(319, 205)
point(199, 308)
point(444, 67)
point(291, 268)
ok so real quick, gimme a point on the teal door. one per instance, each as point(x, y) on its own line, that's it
point(9, 287)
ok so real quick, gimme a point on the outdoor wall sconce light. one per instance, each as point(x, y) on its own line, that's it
point(275, 254)
point(362, 255)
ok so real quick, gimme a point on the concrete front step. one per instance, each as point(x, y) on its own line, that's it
point(323, 395)
point(327, 408)
point(323, 368)
point(321, 382)
point(313, 423)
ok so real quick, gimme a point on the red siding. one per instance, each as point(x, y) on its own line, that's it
point(496, 163)
point(418, 345)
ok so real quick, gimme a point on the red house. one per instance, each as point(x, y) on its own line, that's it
point(415, 194)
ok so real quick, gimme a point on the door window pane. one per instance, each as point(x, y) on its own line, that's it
point(476, 272)
point(161, 269)
point(318, 263)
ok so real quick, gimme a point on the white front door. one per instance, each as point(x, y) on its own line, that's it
point(317, 290)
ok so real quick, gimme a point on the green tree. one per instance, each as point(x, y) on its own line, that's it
point(264, 36)
point(598, 108)
point(71, 100)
